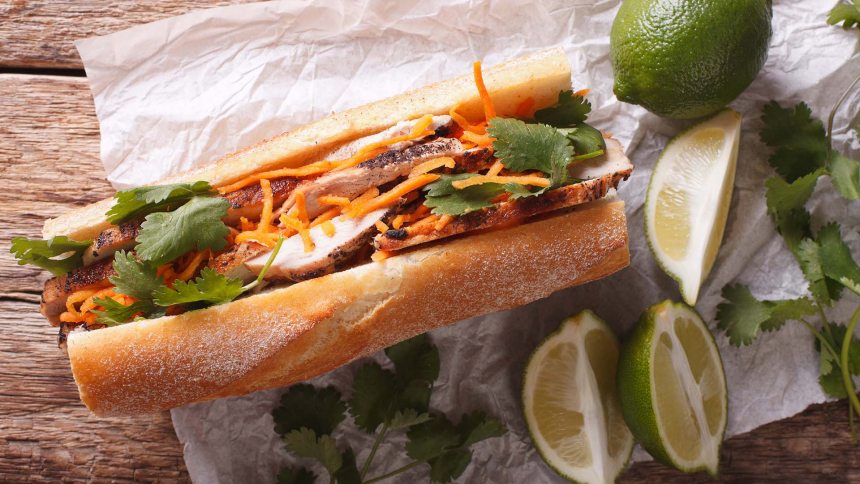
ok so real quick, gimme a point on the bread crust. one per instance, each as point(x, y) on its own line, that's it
point(298, 332)
point(540, 76)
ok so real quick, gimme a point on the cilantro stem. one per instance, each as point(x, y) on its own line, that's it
point(824, 321)
point(833, 115)
point(821, 339)
point(373, 450)
point(846, 373)
point(259, 278)
point(396, 471)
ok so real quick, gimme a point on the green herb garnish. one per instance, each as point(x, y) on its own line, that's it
point(58, 255)
point(393, 400)
point(136, 202)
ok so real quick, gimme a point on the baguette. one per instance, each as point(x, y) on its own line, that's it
point(302, 331)
point(291, 333)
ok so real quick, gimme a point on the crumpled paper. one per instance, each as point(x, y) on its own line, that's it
point(184, 91)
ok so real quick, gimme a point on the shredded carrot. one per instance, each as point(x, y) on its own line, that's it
point(478, 139)
point(326, 216)
point(458, 118)
point(398, 221)
point(300, 227)
point(380, 226)
point(431, 165)
point(424, 221)
point(489, 109)
point(78, 296)
point(444, 221)
point(328, 228)
point(301, 209)
point(391, 196)
point(193, 265)
point(363, 198)
point(480, 128)
point(262, 233)
point(582, 92)
point(495, 169)
point(246, 225)
point(374, 149)
point(533, 180)
point(307, 170)
point(468, 146)
point(332, 200)
point(525, 107)
point(421, 211)
point(410, 197)
point(380, 255)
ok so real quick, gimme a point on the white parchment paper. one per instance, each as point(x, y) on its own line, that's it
point(184, 91)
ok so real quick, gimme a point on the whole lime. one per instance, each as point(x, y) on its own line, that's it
point(688, 58)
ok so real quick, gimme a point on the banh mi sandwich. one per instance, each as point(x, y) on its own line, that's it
point(298, 255)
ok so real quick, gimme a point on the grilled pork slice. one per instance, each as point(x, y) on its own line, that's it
point(386, 167)
point(601, 174)
point(58, 289)
point(471, 161)
point(231, 262)
point(441, 126)
point(248, 201)
point(120, 237)
point(293, 263)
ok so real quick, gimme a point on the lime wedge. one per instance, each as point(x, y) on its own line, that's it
point(688, 199)
point(672, 388)
point(571, 405)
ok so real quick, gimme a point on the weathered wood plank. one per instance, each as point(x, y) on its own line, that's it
point(41, 33)
point(48, 165)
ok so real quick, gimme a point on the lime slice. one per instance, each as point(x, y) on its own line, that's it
point(688, 199)
point(672, 388)
point(571, 405)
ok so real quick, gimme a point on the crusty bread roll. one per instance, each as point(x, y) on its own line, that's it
point(302, 331)
point(296, 332)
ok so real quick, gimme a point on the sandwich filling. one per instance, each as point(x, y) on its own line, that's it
point(176, 248)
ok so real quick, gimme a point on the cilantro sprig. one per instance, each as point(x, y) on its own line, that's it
point(142, 282)
point(849, 15)
point(802, 154)
point(58, 255)
point(134, 203)
point(557, 137)
point(395, 400)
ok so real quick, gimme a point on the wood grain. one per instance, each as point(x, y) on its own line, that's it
point(49, 164)
point(49, 145)
point(41, 33)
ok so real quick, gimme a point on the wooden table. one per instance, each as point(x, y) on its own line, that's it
point(49, 161)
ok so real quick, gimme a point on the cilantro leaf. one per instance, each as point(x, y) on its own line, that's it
point(444, 199)
point(408, 418)
point(567, 111)
point(43, 253)
point(305, 443)
point(793, 226)
point(137, 202)
point(783, 196)
point(449, 466)
point(415, 359)
point(371, 404)
point(585, 138)
point(116, 313)
point(417, 364)
point(742, 315)
point(831, 368)
point(848, 14)
point(836, 260)
point(476, 427)
point(846, 175)
point(165, 236)
point(431, 438)
point(296, 476)
point(348, 472)
point(134, 278)
point(801, 141)
point(304, 406)
point(210, 287)
point(521, 147)
point(822, 289)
